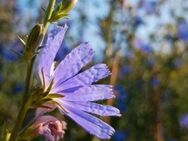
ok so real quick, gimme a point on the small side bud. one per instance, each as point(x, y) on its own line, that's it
point(34, 37)
point(63, 10)
point(33, 41)
point(48, 126)
point(68, 5)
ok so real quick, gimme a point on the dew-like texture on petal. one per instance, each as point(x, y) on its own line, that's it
point(94, 108)
point(73, 63)
point(85, 78)
point(90, 93)
point(90, 123)
point(47, 54)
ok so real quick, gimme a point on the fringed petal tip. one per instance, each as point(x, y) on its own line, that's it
point(87, 46)
point(118, 114)
point(103, 70)
point(107, 134)
point(95, 108)
point(56, 30)
point(111, 89)
point(62, 27)
point(91, 124)
point(108, 70)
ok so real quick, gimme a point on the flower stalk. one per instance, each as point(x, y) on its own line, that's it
point(49, 12)
point(29, 78)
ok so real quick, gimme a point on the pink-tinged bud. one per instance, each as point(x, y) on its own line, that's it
point(50, 127)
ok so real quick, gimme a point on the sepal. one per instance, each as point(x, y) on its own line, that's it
point(22, 39)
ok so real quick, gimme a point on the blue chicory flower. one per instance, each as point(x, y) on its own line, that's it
point(184, 121)
point(121, 98)
point(137, 21)
point(149, 6)
point(126, 69)
point(63, 51)
point(78, 91)
point(11, 53)
point(120, 136)
point(17, 88)
point(182, 32)
point(143, 46)
point(1, 79)
point(154, 82)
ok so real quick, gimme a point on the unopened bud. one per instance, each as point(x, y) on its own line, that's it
point(34, 37)
point(33, 42)
point(50, 127)
point(62, 10)
point(68, 5)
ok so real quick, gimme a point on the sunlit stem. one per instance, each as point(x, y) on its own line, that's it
point(49, 14)
point(29, 79)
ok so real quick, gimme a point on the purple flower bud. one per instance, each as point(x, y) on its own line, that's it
point(49, 127)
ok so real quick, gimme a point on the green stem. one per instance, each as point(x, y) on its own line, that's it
point(25, 101)
point(29, 79)
point(49, 14)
